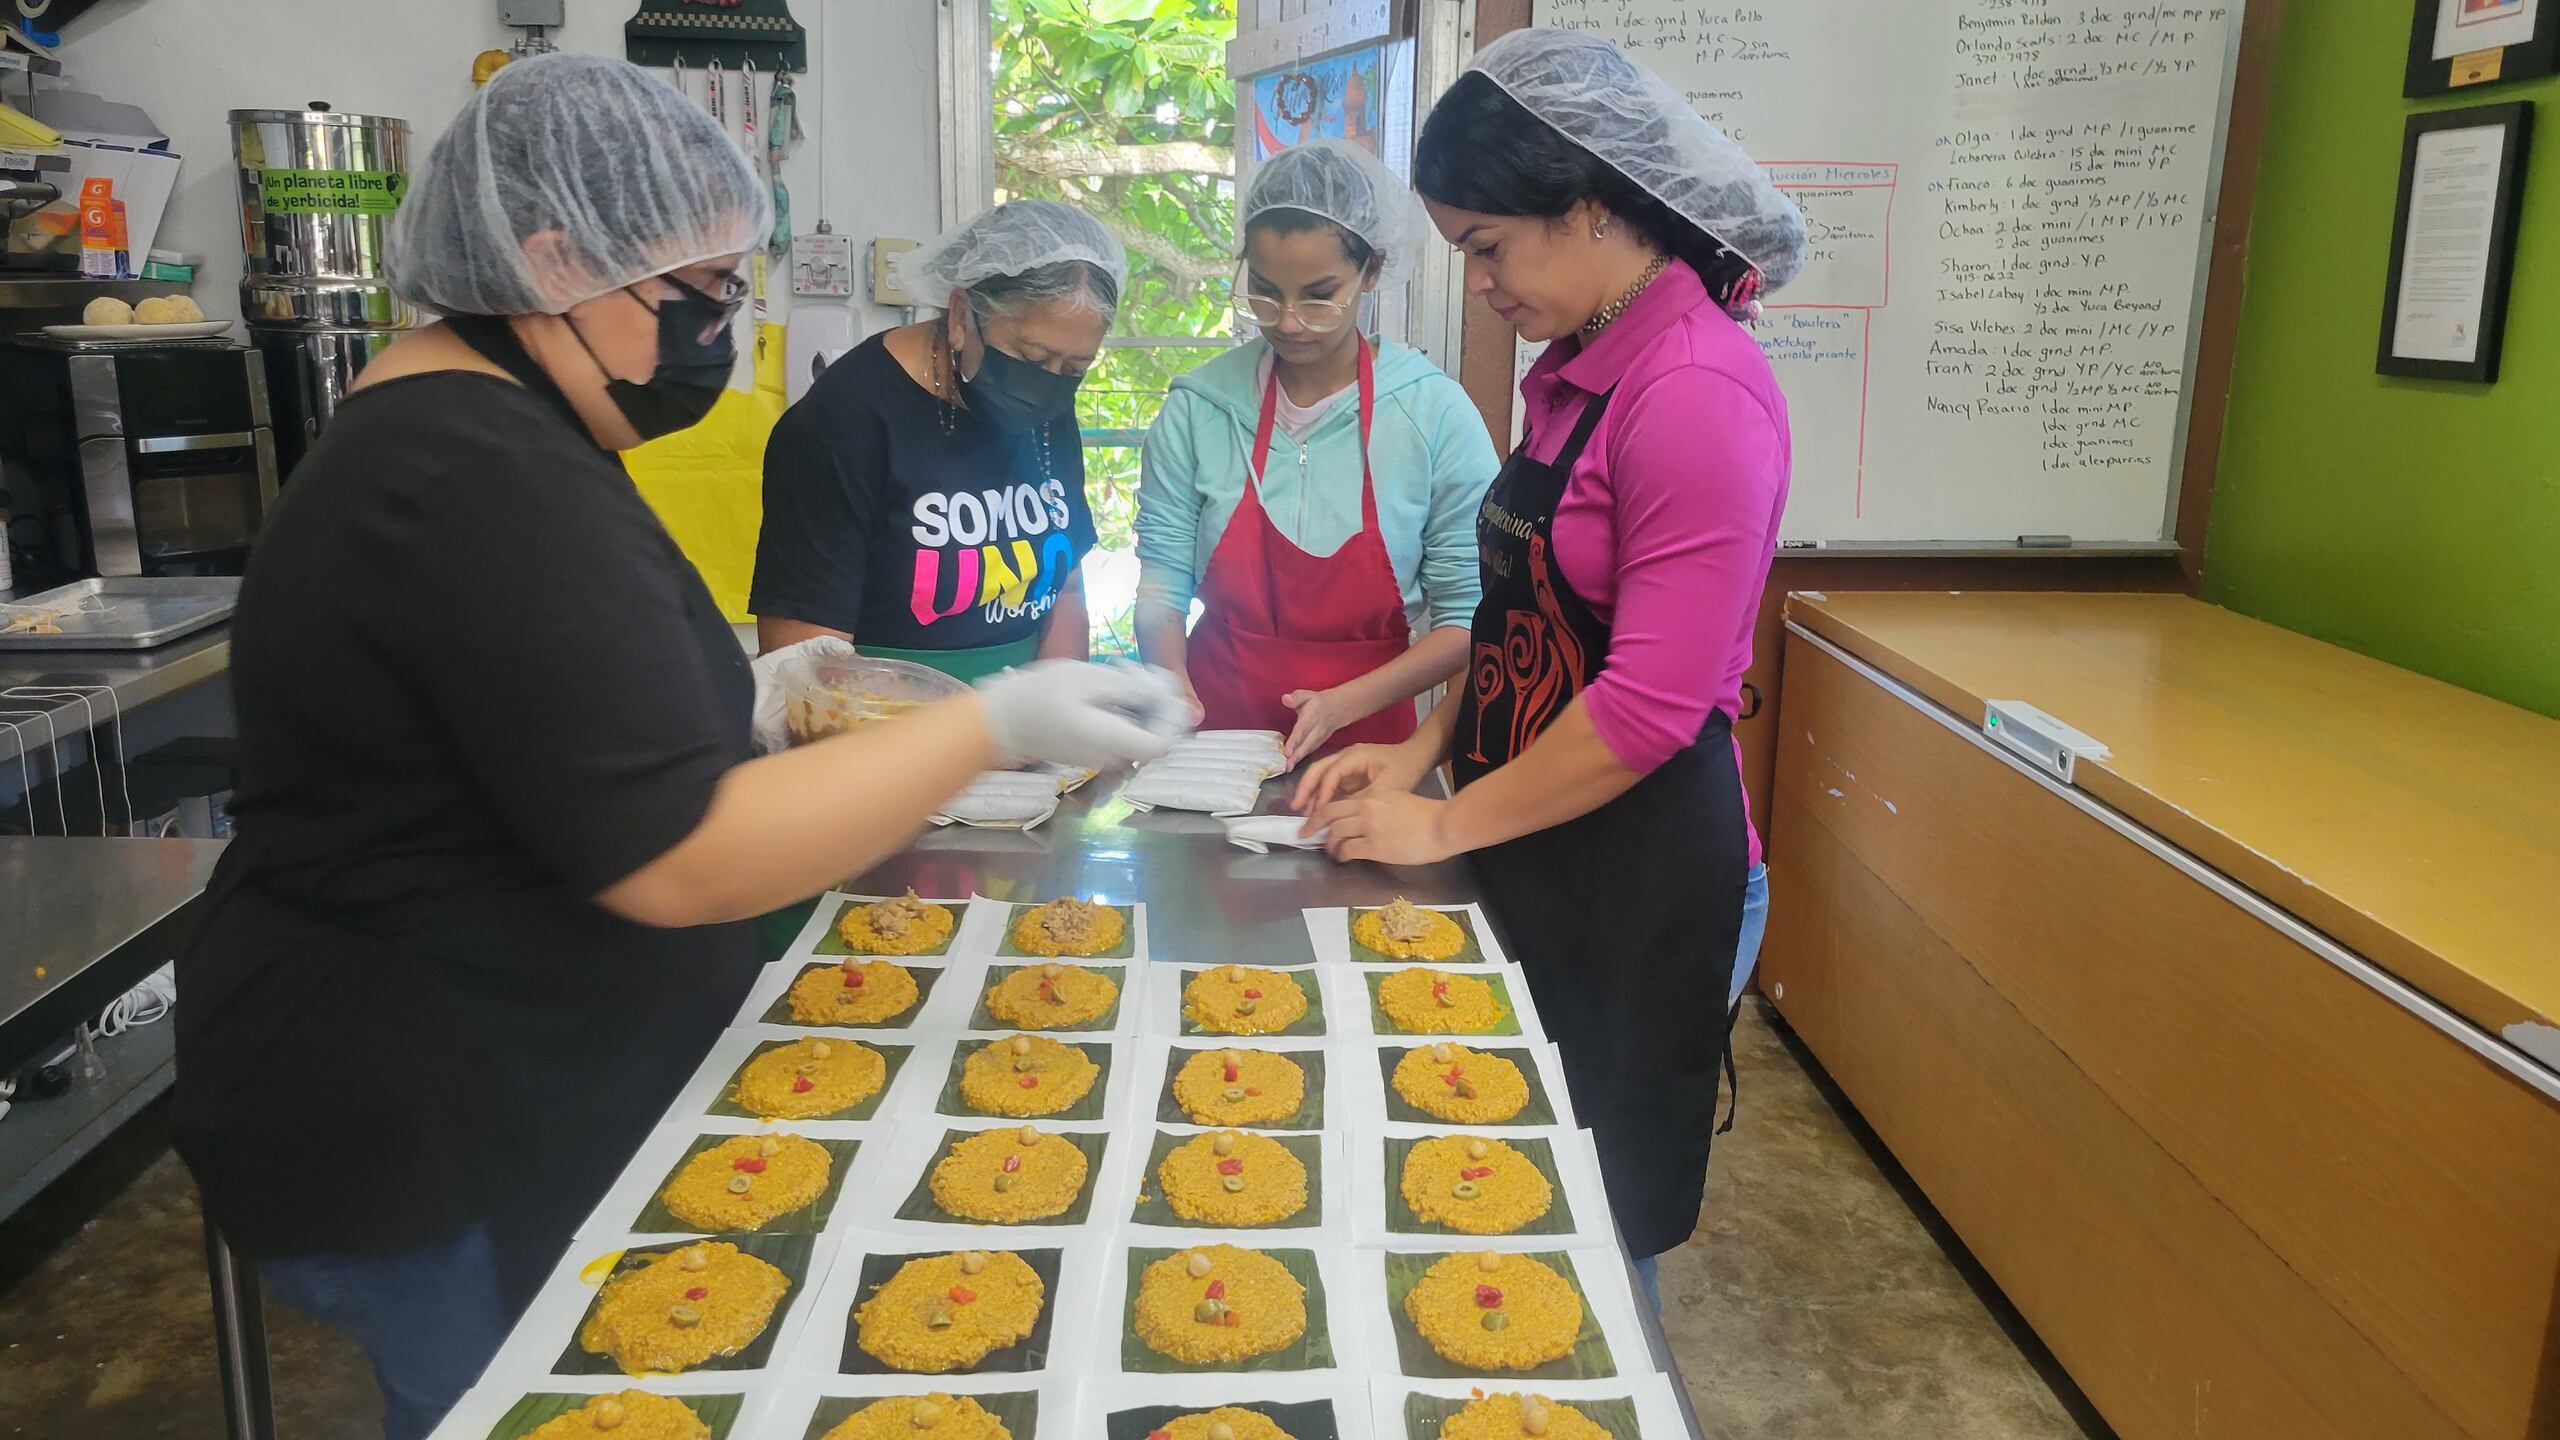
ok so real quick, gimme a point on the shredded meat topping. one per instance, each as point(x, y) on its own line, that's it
point(891, 918)
point(1400, 920)
point(1072, 922)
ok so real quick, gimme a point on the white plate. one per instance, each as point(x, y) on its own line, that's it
point(192, 330)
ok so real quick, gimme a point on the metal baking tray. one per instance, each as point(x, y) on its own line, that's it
point(134, 612)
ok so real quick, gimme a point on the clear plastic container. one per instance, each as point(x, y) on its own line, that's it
point(831, 697)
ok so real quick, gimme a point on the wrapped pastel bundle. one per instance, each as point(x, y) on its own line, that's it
point(1178, 788)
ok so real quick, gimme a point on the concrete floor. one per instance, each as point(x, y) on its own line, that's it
point(1821, 1299)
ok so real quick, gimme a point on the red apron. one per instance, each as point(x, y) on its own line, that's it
point(1276, 619)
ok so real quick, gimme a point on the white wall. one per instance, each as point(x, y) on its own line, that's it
point(191, 62)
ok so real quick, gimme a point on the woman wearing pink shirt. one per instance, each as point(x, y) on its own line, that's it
point(1623, 549)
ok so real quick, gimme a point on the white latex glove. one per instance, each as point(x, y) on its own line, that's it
point(1075, 712)
point(770, 669)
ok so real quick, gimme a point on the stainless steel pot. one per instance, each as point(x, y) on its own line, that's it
point(317, 191)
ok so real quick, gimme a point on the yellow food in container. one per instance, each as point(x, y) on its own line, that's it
point(1402, 930)
point(1005, 1177)
point(1218, 1304)
point(1068, 926)
point(1232, 1178)
point(942, 1313)
point(1239, 1087)
point(857, 992)
point(1052, 996)
point(1474, 1185)
point(1520, 1417)
point(747, 1182)
point(903, 1417)
point(1244, 1000)
point(1466, 1087)
point(903, 925)
point(1489, 1311)
point(809, 1078)
point(1227, 1422)
point(625, 1415)
point(1025, 1075)
point(1438, 1002)
point(683, 1307)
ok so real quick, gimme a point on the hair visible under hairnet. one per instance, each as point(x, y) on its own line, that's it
point(631, 177)
point(1626, 116)
point(1347, 185)
point(1022, 250)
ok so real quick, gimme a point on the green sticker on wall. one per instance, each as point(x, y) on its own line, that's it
point(307, 192)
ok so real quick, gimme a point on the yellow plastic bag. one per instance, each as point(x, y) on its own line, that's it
point(707, 483)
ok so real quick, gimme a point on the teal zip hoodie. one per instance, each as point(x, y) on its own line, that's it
point(1429, 457)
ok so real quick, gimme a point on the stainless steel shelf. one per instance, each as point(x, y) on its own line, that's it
point(70, 292)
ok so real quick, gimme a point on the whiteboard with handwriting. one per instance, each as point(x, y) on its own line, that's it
point(2010, 205)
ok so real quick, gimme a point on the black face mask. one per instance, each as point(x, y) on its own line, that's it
point(696, 352)
point(1013, 394)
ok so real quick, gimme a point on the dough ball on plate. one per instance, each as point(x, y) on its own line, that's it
point(106, 310)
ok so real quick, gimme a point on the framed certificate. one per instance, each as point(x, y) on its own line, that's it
point(2454, 44)
point(2453, 242)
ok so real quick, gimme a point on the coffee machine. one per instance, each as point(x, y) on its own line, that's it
point(157, 458)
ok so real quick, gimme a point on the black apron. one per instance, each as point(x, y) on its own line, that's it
point(1625, 919)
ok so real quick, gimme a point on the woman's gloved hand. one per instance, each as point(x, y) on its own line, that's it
point(770, 669)
point(1075, 712)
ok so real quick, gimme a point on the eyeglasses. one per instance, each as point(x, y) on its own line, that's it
point(1316, 317)
point(732, 297)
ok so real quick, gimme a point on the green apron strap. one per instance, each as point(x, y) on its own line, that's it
point(967, 665)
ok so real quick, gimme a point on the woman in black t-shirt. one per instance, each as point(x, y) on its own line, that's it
point(925, 500)
point(497, 812)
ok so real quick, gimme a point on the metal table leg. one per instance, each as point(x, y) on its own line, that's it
point(240, 1337)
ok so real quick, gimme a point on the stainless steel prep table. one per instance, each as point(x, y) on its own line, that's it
point(87, 919)
point(51, 698)
point(1206, 900)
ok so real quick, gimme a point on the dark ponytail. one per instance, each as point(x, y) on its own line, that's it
point(1482, 151)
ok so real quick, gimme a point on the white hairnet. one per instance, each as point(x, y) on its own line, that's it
point(634, 180)
point(1623, 113)
point(1012, 241)
point(1349, 186)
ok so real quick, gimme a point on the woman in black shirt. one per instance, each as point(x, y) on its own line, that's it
point(496, 809)
point(925, 500)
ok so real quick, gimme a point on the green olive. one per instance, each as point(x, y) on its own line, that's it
point(937, 1318)
point(1232, 1184)
point(1208, 1312)
point(740, 1184)
point(1023, 1064)
point(1465, 1190)
point(684, 1317)
point(1232, 1093)
point(1496, 1320)
point(1466, 1091)
point(1003, 1183)
point(1247, 1007)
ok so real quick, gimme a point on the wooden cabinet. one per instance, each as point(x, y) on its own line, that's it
point(2244, 1180)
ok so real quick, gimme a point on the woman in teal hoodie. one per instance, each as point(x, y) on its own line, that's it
point(1313, 490)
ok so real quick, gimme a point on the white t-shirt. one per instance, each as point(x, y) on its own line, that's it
point(1299, 421)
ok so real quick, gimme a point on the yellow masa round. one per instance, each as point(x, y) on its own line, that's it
point(1266, 1088)
point(906, 1417)
point(1196, 1180)
point(1438, 1002)
point(1402, 930)
point(1473, 1185)
point(918, 1322)
point(1466, 1087)
point(1505, 1417)
point(1069, 926)
point(1244, 1000)
point(903, 925)
point(1239, 1423)
point(1541, 1313)
point(1268, 1306)
point(625, 1415)
point(973, 1183)
point(825, 994)
point(838, 1074)
point(683, 1307)
point(1053, 996)
point(1025, 1075)
point(748, 1181)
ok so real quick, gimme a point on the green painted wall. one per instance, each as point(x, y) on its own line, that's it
point(2415, 521)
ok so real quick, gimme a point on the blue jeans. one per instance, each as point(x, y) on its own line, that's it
point(1755, 922)
point(1647, 1270)
point(428, 1318)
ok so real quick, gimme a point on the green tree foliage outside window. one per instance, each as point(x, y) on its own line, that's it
point(1124, 108)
